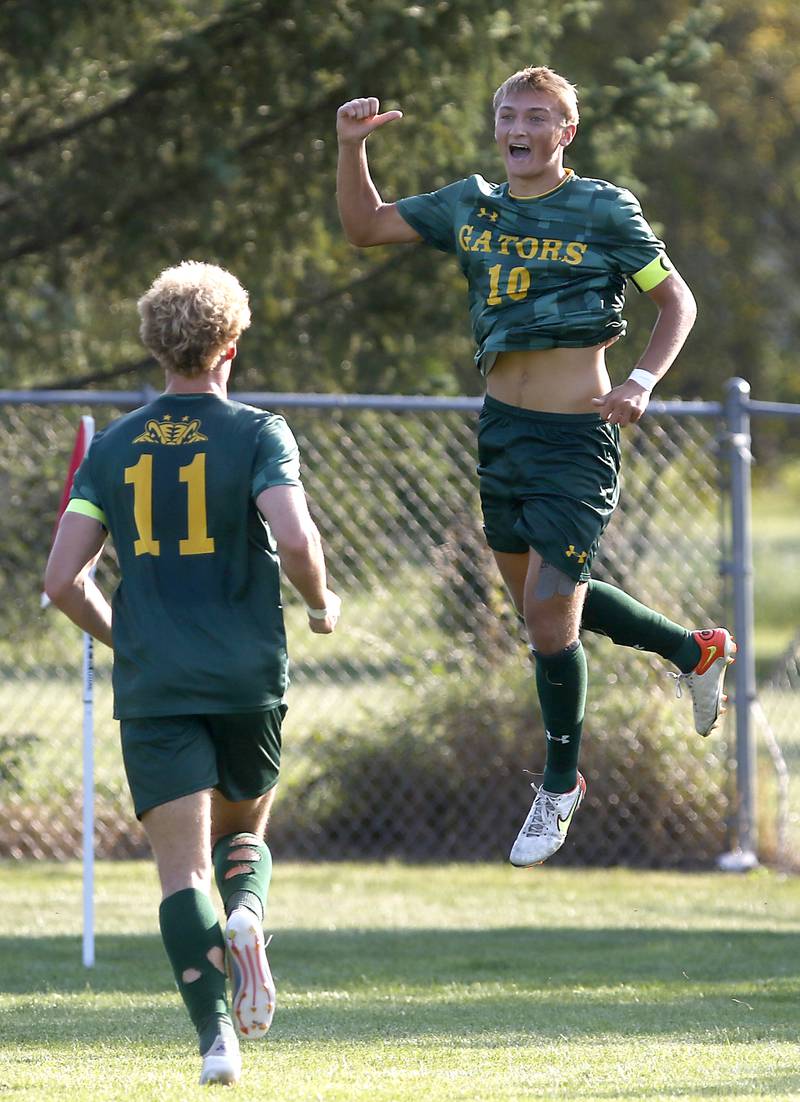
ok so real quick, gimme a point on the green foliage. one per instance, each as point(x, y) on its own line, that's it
point(728, 198)
point(445, 778)
point(36, 450)
point(134, 135)
point(776, 563)
point(14, 752)
point(473, 605)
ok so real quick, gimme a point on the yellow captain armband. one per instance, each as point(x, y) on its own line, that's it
point(86, 509)
point(653, 273)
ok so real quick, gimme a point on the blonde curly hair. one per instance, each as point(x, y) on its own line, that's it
point(191, 314)
point(540, 78)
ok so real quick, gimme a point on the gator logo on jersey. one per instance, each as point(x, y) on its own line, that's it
point(171, 432)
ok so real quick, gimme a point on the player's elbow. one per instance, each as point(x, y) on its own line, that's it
point(354, 225)
point(299, 544)
point(58, 584)
point(359, 234)
point(685, 303)
point(676, 303)
point(691, 307)
point(357, 240)
point(372, 226)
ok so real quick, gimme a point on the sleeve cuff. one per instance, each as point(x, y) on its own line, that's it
point(86, 509)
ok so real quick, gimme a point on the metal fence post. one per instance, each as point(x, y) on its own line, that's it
point(737, 393)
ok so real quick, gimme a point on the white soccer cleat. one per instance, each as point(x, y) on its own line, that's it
point(252, 986)
point(717, 651)
point(222, 1063)
point(545, 829)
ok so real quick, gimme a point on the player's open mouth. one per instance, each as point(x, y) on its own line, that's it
point(518, 151)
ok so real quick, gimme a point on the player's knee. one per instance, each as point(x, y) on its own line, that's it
point(551, 610)
point(551, 642)
point(550, 627)
point(545, 617)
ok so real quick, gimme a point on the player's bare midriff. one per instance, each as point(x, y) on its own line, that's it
point(553, 380)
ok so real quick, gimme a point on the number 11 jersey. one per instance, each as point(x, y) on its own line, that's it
point(197, 617)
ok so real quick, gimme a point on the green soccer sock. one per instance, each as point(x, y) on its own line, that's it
point(190, 932)
point(242, 869)
point(627, 622)
point(561, 682)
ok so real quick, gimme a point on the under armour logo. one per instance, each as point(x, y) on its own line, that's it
point(484, 212)
point(563, 739)
point(582, 555)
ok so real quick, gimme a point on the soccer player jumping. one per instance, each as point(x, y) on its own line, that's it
point(546, 256)
point(203, 499)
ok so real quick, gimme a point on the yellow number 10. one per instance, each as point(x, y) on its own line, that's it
point(519, 282)
point(140, 476)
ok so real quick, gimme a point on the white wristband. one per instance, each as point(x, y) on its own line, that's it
point(317, 613)
point(644, 378)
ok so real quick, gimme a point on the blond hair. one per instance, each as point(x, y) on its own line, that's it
point(191, 314)
point(539, 78)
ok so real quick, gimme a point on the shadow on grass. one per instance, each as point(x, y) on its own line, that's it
point(782, 1083)
point(355, 960)
point(463, 987)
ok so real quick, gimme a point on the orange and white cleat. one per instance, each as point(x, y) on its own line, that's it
point(252, 986)
point(705, 681)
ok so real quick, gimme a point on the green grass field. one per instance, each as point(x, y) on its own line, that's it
point(438, 983)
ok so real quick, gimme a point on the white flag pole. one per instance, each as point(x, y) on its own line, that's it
point(82, 441)
point(88, 769)
point(88, 800)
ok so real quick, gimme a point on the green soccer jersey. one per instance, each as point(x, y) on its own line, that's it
point(197, 623)
point(546, 271)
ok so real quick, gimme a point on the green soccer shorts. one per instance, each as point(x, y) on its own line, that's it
point(167, 757)
point(549, 481)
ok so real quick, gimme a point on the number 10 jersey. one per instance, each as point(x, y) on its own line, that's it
point(543, 271)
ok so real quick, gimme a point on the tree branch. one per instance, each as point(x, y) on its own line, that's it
point(76, 382)
point(154, 79)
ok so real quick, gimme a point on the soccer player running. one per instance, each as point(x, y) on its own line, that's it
point(203, 500)
point(546, 256)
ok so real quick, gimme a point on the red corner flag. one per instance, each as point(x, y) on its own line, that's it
point(83, 439)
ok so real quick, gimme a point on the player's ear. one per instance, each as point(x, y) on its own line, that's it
point(568, 133)
point(230, 352)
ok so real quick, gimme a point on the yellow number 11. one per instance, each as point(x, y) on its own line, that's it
point(140, 476)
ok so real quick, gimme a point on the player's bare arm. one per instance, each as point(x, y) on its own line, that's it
point(677, 310)
point(68, 581)
point(365, 218)
point(285, 510)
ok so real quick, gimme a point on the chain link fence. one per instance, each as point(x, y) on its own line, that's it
point(410, 730)
point(777, 722)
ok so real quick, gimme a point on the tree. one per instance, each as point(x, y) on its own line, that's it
point(136, 134)
point(731, 202)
